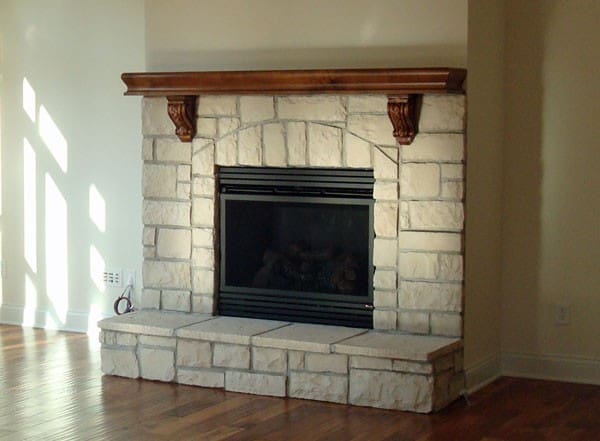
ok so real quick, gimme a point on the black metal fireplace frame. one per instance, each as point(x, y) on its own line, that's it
point(302, 185)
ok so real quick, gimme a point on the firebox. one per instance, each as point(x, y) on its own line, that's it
point(296, 244)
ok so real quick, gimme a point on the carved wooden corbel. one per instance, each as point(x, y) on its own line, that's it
point(403, 111)
point(182, 111)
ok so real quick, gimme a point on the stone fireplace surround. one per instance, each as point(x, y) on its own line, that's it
point(412, 360)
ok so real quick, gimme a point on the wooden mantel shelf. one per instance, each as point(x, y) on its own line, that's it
point(404, 87)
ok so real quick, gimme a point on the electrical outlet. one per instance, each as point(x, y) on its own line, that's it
point(562, 315)
point(113, 277)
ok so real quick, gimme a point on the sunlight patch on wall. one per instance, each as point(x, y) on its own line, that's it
point(97, 267)
point(30, 308)
point(29, 206)
point(53, 139)
point(57, 285)
point(28, 100)
point(94, 316)
point(97, 209)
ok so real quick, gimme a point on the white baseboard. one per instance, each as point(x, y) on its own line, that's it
point(76, 321)
point(551, 367)
point(483, 373)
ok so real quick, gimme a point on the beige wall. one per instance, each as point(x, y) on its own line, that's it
point(485, 134)
point(551, 225)
point(276, 34)
point(82, 133)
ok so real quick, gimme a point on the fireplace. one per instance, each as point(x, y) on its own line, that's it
point(247, 211)
point(295, 244)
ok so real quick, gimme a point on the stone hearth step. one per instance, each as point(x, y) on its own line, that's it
point(419, 373)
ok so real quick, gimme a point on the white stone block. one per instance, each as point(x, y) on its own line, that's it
point(385, 190)
point(358, 151)
point(184, 173)
point(419, 180)
point(269, 360)
point(149, 236)
point(122, 363)
point(202, 237)
point(431, 296)
point(413, 322)
point(436, 215)
point(453, 171)
point(404, 217)
point(152, 340)
point(451, 267)
point(203, 160)
point(367, 104)
point(418, 265)
point(204, 186)
point(149, 252)
point(320, 387)
point(413, 367)
point(446, 324)
point(426, 241)
point(296, 360)
point(385, 163)
point(335, 363)
point(385, 252)
point(390, 390)
point(203, 281)
point(174, 275)
point(385, 217)
point(174, 243)
point(377, 129)
point(255, 383)
point(157, 364)
point(151, 299)
point(228, 125)
point(203, 211)
point(184, 190)
point(211, 105)
point(193, 353)
point(203, 304)
point(118, 338)
point(311, 108)
point(256, 108)
point(442, 113)
point(324, 146)
point(172, 300)
point(385, 299)
point(173, 150)
point(296, 142)
point(159, 181)
point(359, 362)
point(226, 150)
point(384, 319)
point(166, 213)
point(206, 127)
point(435, 147)
point(250, 146)
point(203, 257)
point(214, 378)
point(384, 279)
point(453, 190)
point(148, 149)
point(231, 356)
point(275, 154)
point(155, 119)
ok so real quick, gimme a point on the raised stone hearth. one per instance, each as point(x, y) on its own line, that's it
point(353, 119)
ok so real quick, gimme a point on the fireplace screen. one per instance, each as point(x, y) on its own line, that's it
point(295, 244)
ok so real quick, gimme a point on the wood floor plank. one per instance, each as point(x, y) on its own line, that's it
point(51, 388)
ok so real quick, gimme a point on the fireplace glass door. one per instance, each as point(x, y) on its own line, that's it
point(295, 244)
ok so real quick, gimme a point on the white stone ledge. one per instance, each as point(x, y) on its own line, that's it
point(235, 330)
point(159, 323)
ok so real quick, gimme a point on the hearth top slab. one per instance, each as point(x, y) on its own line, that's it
point(305, 337)
point(398, 346)
point(160, 323)
point(234, 330)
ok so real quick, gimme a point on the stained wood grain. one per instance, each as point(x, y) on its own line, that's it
point(51, 388)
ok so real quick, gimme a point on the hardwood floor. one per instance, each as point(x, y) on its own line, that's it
point(51, 388)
